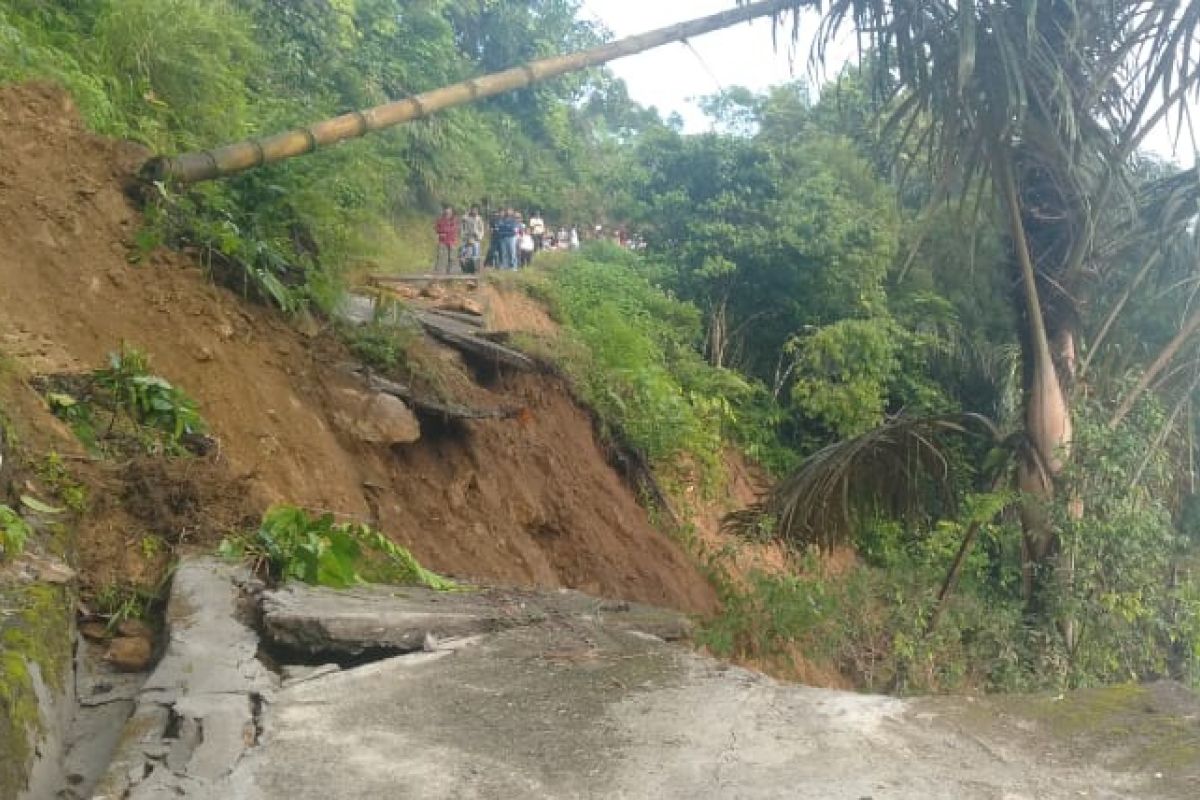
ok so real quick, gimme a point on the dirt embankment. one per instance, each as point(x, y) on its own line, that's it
point(528, 501)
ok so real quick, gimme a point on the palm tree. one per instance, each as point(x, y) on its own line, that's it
point(1043, 104)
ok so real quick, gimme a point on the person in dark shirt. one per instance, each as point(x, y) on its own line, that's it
point(493, 251)
point(506, 232)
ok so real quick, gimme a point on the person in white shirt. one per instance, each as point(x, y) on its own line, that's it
point(526, 246)
point(537, 227)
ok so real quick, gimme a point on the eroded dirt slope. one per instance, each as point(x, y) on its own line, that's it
point(528, 501)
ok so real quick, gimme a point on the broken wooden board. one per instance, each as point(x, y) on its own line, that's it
point(464, 338)
point(464, 319)
point(423, 404)
point(422, 278)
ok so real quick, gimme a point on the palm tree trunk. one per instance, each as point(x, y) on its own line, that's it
point(1047, 416)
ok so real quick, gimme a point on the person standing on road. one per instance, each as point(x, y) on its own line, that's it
point(537, 228)
point(472, 236)
point(526, 245)
point(447, 233)
point(506, 232)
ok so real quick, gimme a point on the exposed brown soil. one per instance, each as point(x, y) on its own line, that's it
point(527, 501)
point(515, 312)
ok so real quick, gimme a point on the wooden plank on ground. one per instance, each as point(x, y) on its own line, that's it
point(464, 338)
point(430, 405)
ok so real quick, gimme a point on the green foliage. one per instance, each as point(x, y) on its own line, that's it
point(1129, 587)
point(636, 363)
point(869, 625)
point(141, 408)
point(845, 370)
point(119, 601)
point(53, 472)
point(184, 74)
point(178, 68)
point(293, 544)
point(148, 399)
point(382, 346)
point(14, 533)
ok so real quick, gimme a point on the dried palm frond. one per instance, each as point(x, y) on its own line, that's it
point(900, 468)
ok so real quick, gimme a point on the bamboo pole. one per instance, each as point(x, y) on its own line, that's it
point(251, 153)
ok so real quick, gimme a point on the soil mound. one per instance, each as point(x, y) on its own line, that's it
point(528, 501)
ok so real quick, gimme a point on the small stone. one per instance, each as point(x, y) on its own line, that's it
point(129, 653)
point(135, 627)
point(94, 631)
point(49, 570)
point(204, 354)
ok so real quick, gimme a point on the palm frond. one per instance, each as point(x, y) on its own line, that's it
point(901, 469)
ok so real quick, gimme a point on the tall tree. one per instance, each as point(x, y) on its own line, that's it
point(1044, 105)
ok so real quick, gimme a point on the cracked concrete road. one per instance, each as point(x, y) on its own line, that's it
point(560, 696)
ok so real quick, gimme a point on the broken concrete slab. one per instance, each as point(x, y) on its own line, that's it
point(197, 713)
point(312, 620)
point(556, 712)
point(560, 696)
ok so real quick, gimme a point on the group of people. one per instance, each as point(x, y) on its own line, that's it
point(512, 241)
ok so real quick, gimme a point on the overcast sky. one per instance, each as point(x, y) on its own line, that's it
point(671, 78)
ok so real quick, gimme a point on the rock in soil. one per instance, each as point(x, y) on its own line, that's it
point(130, 653)
point(135, 628)
point(376, 418)
point(94, 631)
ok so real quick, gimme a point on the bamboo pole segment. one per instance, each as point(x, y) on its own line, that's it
point(251, 153)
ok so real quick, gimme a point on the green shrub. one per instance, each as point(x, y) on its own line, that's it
point(178, 68)
point(149, 399)
point(382, 346)
point(14, 533)
point(635, 360)
point(292, 544)
point(141, 407)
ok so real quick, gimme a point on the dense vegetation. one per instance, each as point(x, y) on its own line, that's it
point(182, 74)
point(893, 294)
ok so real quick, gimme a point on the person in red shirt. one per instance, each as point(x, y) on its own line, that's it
point(447, 233)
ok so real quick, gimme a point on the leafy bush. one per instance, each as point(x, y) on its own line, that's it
point(292, 544)
point(636, 361)
point(844, 371)
point(382, 346)
point(14, 532)
point(142, 407)
point(1129, 589)
point(149, 399)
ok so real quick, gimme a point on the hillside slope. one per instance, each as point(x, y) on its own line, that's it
point(526, 502)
